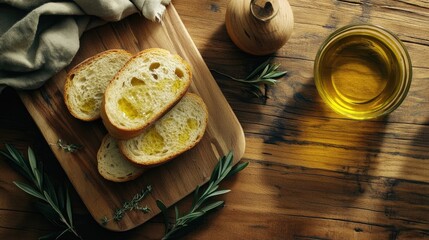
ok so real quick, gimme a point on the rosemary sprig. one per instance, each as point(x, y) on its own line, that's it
point(55, 203)
point(129, 206)
point(68, 147)
point(199, 207)
point(265, 74)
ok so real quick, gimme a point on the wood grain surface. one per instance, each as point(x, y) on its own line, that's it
point(170, 182)
point(312, 174)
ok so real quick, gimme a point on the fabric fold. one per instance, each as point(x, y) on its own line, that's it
point(39, 38)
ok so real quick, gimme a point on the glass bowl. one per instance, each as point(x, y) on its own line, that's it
point(362, 71)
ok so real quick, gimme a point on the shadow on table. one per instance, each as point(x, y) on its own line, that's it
point(408, 190)
point(314, 164)
point(318, 162)
point(323, 162)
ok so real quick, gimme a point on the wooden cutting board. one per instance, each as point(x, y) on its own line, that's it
point(170, 182)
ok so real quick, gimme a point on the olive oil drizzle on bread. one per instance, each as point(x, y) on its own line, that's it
point(176, 132)
point(149, 85)
point(86, 83)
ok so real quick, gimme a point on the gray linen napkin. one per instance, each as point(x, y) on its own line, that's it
point(38, 38)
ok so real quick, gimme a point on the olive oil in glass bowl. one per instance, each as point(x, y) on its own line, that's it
point(362, 71)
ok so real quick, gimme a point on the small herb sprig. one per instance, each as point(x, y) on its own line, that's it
point(183, 223)
point(130, 206)
point(68, 147)
point(265, 74)
point(55, 203)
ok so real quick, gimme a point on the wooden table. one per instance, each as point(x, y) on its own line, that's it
point(313, 174)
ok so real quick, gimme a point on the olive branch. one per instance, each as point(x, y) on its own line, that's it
point(54, 201)
point(266, 74)
point(183, 223)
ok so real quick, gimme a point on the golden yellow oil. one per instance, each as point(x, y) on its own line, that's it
point(152, 142)
point(136, 101)
point(191, 126)
point(358, 75)
point(88, 106)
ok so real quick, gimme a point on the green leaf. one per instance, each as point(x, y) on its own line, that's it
point(264, 71)
point(69, 208)
point(176, 212)
point(269, 81)
point(258, 69)
point(273, 67)
point(49, 200)
point(15, 155)
point(17, 161)
point(275, 74)
point(213, 188)
point(196, 192)
point(220, 192)
point(30, 190)
point(266, 74)
point(216, 171)
point(224, 174)
point(191, 216)
point(219, 168)
point(37, 176)
point(212, 206)
point(206, 192)
point(41, 188)
point(227, 161)
point(185, 222)
point(50, 189)
point(238, 168)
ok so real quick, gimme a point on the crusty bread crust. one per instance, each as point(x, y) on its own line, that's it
point(112, 165)
point(136, 156)
point(69, 98)
point(109, 110)
point(153, 79)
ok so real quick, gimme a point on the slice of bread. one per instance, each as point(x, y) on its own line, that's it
point(150, 84)
point(86, 82)
point(177, 131)
point(112, 165)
